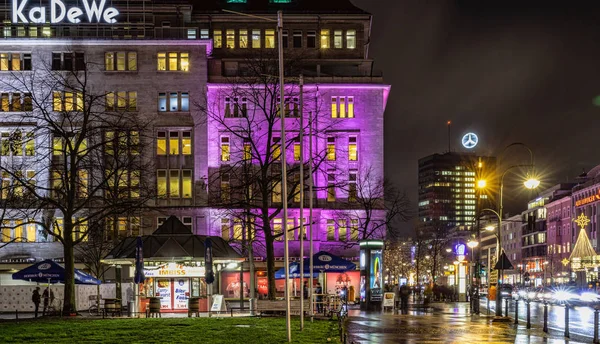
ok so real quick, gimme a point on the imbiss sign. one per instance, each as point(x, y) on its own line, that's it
point(91, 11)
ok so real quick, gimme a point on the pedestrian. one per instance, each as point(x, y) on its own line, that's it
point(36, 300)
point(305, 290)
point(319, 292)
point(46, 297)
point(404, 294)
point(396, 291)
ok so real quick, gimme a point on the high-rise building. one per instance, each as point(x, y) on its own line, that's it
point(202, 82)
point(448, 188)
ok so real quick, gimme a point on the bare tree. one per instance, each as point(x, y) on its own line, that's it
point(83, 162)
point(245, 120)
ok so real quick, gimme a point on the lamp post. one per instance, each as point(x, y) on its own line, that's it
point(472, 245)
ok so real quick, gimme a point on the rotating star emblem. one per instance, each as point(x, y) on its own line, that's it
point(582, 221)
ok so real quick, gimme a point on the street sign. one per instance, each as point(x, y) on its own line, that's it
point(494, 277)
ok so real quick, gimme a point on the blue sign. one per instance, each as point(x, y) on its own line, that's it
point(460, 249)
point(470, 140)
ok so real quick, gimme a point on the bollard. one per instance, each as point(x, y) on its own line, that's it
point(17, 315)
point(506, 306)
point(517, 312)
point(596, 341)
point(528, 314)
point(488, 305)
point(545, 317)
point(567, 321)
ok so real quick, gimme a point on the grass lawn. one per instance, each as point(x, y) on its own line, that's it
point(167, 330)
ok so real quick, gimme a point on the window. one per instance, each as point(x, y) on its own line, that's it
point(68, 61)
point(225, 187)
point(342, 109)
point(125, 227)
point(230, 38)
point(173, 61)
point(331, 186)
point(121, 101)
point(179, 142)
point(174, 184)
point(352, 149)
point(67, 101)
point(352, 191)
point(350, 107)
point(225, 148)
point(17, 143)
point(269, 39)
point(161, 181)
point(337, 39)
point(16, 102)
point(297, 155)
point(237, 229)
point(331, 148)
point(277, 229)
point(204, 34)
point(289, 230)
point(82, 183)
point(225, 234)
point(218, 39)
point(235, 108)
point(255, 38)
point(297, 39)
point(15, 61)
point(330, 230)
point(276, 192)
point(325, 38)
point(186, 183)
point(120, 61)
point(124, 142)
point(247, 150)
point(192, 33)
point(342, 230)
point(334, 108)
point(123, 183)
point(311, 39)
point(173, 102)
point(285, 38)
point(351, 39)
point(243, 38)
point(276, 148)
point(354, 229)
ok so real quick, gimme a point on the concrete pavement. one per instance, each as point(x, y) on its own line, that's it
point(444, 323)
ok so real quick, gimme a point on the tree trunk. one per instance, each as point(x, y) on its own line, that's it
point(69, 305)
point(271, 266)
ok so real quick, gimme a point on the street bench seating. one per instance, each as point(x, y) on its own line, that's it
point(279, 307)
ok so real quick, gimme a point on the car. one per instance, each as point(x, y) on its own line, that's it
point(506, 290)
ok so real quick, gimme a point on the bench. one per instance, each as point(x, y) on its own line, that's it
point(279, 307)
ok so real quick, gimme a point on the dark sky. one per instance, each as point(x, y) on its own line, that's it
point(507, 72)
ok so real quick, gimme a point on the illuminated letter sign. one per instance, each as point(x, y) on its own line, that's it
point(588, 199)
point(94, 12)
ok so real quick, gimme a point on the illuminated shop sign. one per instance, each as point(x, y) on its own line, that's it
point(91, 11)
point(175, 270)
point(587, 200)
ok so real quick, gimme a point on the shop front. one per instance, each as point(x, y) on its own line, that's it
point(174, 284)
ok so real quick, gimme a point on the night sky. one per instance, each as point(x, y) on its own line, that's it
point(508, 73)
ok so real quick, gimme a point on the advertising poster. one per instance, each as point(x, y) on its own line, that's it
point(337, 280)
point(182, 293)
point(230, 284)
point(263, 286)
point(163, 290)
point(363, 288)
point(376, 281)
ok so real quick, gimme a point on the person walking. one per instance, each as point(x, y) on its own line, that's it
point(319, 292)
point(36, 298)
point(404, 294)
point(46, 297)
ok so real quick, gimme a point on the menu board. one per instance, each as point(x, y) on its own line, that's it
point(163, 290)
point(182, 293)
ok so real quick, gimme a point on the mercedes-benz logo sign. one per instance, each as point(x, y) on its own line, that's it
point(469, 141)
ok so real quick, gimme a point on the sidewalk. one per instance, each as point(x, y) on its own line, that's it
point(447, 323)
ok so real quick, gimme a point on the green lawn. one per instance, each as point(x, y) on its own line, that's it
point(168, 330)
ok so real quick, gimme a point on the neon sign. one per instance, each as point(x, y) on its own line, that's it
point(588, 199)
point(58, 11)
point(470, 140)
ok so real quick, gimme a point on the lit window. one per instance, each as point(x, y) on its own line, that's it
point(174, 102)
point(297, 149)
point(186, 143)
point(342, 107)
point(269, 39)
point(161, 143)
point(330, 230)
point(230, 38)
point(330, 186)
point(276, 192)
point(237, 229)
point(354, 230)
point(247, 150)
point(243, 38)
point(351, 39)
point(255, 38)
point(173, 61)
point(174, 188)
point(276, 148)
point(331, 148)
point(277, 229)
point(15, 61)
point(124, 101)
point(342, 230)
point(218, 38)
point(334, 108)
point(337, 39)
point(352, 149)
point(225, 149)
point(174, 143)
point(350, 107)
point(67, 101)
point(225, 234)
point(325, 37)
point(204, 34)
point(161, 180)
point(192, 33)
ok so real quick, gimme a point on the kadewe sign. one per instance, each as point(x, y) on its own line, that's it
point(56, 12)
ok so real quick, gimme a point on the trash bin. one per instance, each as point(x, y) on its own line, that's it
point(252, 306)
point(130, 310)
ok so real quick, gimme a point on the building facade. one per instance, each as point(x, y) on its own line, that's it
point(558, 223)
point(204, 81)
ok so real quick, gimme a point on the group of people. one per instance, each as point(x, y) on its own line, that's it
point(47, 295)
point(402, 293)
point(318, 293)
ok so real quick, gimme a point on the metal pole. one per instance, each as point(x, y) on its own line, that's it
point(310, 214)
point(567, 334)
point(301, 201)
point(517, 312)
point(284, 195)
point(596, 341)
point(545, 317)
point(506, 307)
point(499, 251)
point(528, 314)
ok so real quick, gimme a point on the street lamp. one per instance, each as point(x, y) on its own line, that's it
point(472, 244)
point(481, 184)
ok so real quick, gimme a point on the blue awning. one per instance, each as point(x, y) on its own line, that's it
point(322, 262)
point(49, 271)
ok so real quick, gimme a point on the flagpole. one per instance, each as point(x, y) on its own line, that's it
point(310, 214)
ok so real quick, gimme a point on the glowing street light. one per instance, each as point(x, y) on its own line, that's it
point(472, 244)
point(481, 184)
point(489, 228)
point(532, 183)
